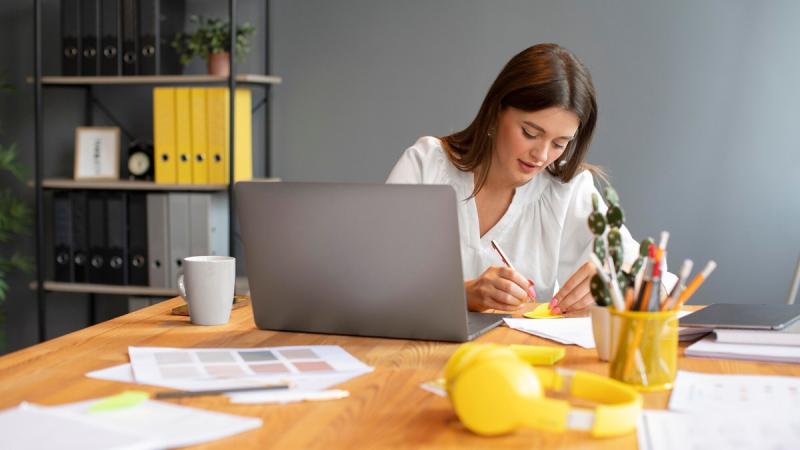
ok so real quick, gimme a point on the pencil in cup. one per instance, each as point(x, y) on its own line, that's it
point(508, 264)
point(696, 282)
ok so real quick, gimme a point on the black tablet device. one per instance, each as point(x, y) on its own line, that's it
point(753, 317)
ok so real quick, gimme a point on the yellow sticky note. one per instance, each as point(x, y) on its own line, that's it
point(126, 399)
point(542, 312)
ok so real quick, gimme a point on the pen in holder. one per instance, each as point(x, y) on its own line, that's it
point(644, 348)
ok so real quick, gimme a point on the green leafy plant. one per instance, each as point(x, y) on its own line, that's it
point(15, 215)
point(15, 218)
point(211, 36)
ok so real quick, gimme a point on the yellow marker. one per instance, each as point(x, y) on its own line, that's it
point(127, 399)
point(542, 312)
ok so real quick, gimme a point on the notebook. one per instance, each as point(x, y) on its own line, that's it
point(753, 317)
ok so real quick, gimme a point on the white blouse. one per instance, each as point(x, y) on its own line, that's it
point(544, 232)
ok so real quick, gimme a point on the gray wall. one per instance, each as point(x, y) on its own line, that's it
point(697, 102)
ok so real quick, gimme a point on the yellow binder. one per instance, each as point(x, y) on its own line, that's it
point(164, 134)
point(217, 114)
point(243, 145)
point(199, 137)
point(183, 133)
point(219, 132)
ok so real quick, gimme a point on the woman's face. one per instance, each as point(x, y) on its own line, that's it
point(527, 142)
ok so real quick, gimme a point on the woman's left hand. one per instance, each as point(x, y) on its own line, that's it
point(576, 294)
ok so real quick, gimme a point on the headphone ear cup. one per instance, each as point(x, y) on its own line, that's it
point(473, 353)
point(492, 397)
point(462, 357)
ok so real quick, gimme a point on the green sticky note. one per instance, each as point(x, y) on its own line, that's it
point(127, 399)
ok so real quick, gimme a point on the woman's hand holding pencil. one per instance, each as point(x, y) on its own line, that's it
point(501, 288)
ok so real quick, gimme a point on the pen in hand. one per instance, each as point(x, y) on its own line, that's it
point(507, 262)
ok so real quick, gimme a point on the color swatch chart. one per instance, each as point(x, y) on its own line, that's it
point(162, 363)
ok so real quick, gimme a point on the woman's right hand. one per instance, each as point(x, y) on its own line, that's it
point(498, 288)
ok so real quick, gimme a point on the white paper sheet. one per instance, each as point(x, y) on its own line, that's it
point(168, 424)
point(31, 427)
point(723, 429)
point(577, 331)
point(148, 425)
point(123, 373)
point(701, 392)
point(160, 364)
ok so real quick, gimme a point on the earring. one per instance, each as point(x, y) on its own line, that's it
point(558, 165)
point(490, 132)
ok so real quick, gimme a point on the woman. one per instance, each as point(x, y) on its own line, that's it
point(518, 170)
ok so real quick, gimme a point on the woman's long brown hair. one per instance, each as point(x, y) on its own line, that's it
point(539, 77)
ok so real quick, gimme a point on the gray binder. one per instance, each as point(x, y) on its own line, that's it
point(158, 240)
point(179, 233)
point(209, 224)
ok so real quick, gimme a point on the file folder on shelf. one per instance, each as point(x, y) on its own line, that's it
point(137, 239)
point(159, 22)
point(164, 138)
point(130, 38)
point(110, 37)
point(70, 38)
point(208, 224)
point(96, 215)
point(179, 233)
point(148, 37)
point(219, 131)
point(158, 240)
point(80, 236)
point(183, 135)
point(117, 238)
point(62, 236)
point(199, 127)
point(90, 38)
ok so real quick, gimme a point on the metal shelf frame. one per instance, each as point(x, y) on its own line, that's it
point(40, 184)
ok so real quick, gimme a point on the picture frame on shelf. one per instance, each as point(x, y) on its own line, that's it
point(97, 153)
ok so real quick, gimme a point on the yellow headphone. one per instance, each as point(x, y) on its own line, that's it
point(495, 390)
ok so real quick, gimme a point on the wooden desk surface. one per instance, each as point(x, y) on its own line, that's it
point(386, 409)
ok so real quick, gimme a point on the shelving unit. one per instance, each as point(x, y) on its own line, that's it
point(40, 184)
point(128, 185)
point(241, 288)
point(252, 79)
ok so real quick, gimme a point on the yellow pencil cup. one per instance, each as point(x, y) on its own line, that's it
point(644, 349)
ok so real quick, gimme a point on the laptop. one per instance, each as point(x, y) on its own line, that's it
point(356, 259)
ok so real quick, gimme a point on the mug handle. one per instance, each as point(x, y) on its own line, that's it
point(181, 287)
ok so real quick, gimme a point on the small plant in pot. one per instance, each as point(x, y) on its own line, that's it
point(211, 41)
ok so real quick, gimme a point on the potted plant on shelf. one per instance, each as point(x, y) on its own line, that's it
point(211, 41)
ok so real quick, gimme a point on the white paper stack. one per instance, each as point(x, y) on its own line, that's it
point(709, 411)
point(577, 331)
point(711, 348)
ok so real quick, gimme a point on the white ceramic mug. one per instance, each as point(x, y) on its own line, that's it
point(207, 284)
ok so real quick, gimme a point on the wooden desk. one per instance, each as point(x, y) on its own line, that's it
point(387, 408)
